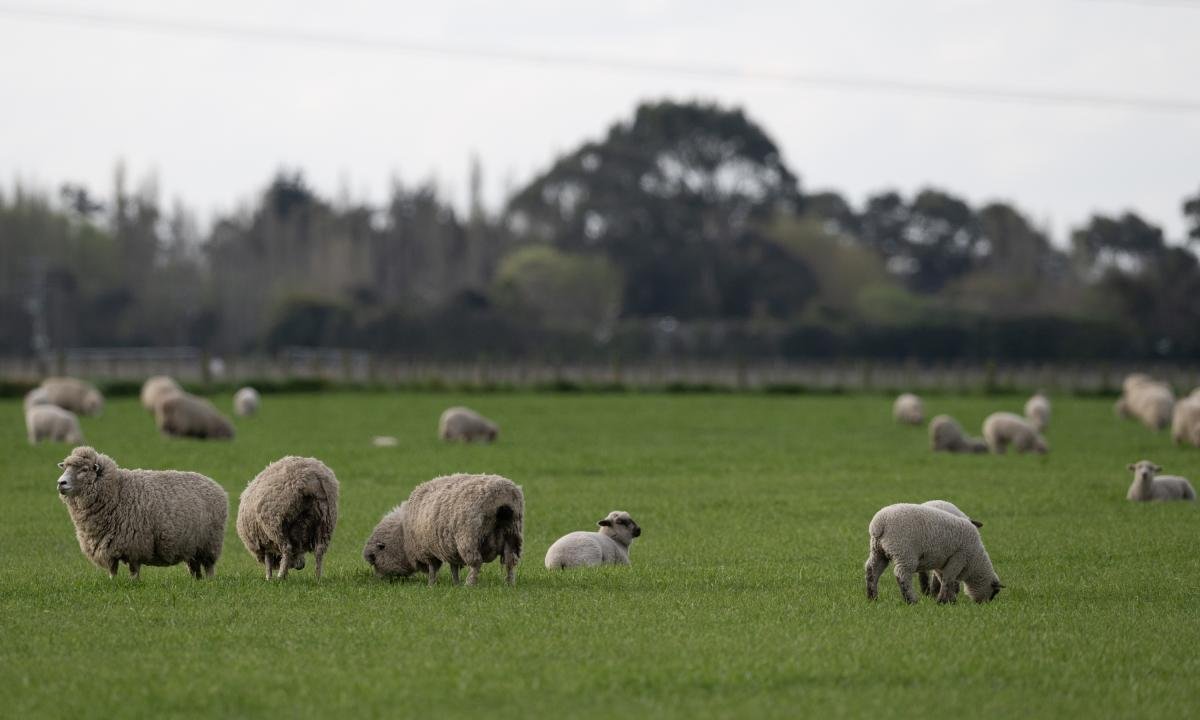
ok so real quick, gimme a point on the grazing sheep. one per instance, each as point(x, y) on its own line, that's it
point(287, 510)
point(246, 401)
point(1037, 411)
point(919, 538)
point(1146, 486)
point(186, 415)
point(72, 394)
point(908, 409)
point(50, 423)
point(946, 435)
point(928, 586)
point(158, 388)
point(608, 546)
point(143, 517)
point(1185, 421)
point(36, 396)
point(460, 423)
point(1002, 429)
point(1148, 400)
point(457, 519)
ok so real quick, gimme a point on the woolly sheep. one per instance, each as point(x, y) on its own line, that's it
point(908, 409)
point(1185, 421)
point(928, 586)
point(143, 517)
point(287, 510)
point(246, 401)
point(186, 415)
point(946, 435)
point(158, 388)
point(1147, 400)
point(1147, 485)
point(36, 396)
point(461, 423)
point(52, 423)
point(919, 538)
point(456, 519)
point(72, 394)
point(1037, 411)
point(1002, 429)
point(608, 546)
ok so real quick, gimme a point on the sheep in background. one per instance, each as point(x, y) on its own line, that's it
point(908, 409)
point(81, 398)
point(36, 396)
point(461, 423)
point(190, 416)
point(246, 401)
point(608, 546)
point(946, 435)
point(1185, 421)
point(1148, 485)
point(50, 423)
point(1146, 399)
point(1037, 411)
point(287, 510)
point(1002, 429)
point(156, 389)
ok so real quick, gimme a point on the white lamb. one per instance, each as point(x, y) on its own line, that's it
point(1002, 429)
point(1037, 411)
point(933, 586)
point(50, 423)
point(908, 409)
point(1146, 486)
point(608, 546)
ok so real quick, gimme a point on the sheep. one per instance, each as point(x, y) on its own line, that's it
point(919, 538)
point(608, 546)
point(456, 519)
point(1185, 421)
point(186, 415)
point(1146, 486)
point(908, 409)
point(928, 586)
point(945, 434)
point(461, 423)
point(158, 388)
point(143, 517)
point(287, 510)
point(246, 401)
point(52, 423)
point(1037, 411)
point(36, 396)
point(72, 394)
point(1147, 400)
point(1002, 429)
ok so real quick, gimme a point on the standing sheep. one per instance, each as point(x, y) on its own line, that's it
point(1146, 486)
point(246, 401)
point(72, 394)
point(946, 435)
point(158, 388)
point(190, 416)
point(1146, 399)
point(287, 510)
point(908, 409)
point(1002, 429)
point(460, 423)
point(53, 424)
point(457, 519)
point(933, 586)
point(608, 546)
point(1037, 411)
point(918, 538)
point(143, 517)
point(1185, 421)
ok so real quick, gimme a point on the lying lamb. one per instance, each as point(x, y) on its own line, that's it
point(72, 394)
point(53, 424)
point(1147, 485)
point(1002, 429)
point(946, 435)
point(158, 388)
point(908, 409)
point(460, 423)
point(143, 517)
point(608, 546)
point(1146, 399)
point(185, 415)
point(287, 510)
point(1185, 421)
point(918, 538)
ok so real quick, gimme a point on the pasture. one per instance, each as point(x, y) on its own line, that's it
point(745, 597)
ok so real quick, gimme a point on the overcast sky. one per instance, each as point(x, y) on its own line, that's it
point(213, 115)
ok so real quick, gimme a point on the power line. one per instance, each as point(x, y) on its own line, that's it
point(354, 41)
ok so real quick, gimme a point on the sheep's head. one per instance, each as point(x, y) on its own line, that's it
point(985, 591)
point(83, 472)
point(93, 402)
point(1144, 470)
point(1040, 446)
point(619, 526)
point(493, 432)
point(385, 550)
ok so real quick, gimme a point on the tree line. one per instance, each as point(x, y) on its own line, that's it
point(681, 231)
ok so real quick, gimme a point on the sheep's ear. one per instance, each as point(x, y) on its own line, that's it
point(1129, 467)
point(62, 465)
point(976, 523)
point(605, 523)
point(96, 467)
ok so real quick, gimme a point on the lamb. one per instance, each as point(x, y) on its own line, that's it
point(1037, 411)
point(287, 510)
point(1146, 486)
point(456, 519)
point(186, 415)
point(1146, 399)
point(908, 409)
point(1185, 421)
point(608, 546)
point(246, 401)
point(460, 423)
point(945, 434)
point(143, 517)
point(932, 587)
point(73, 394)
point(36, 396)
point(919, 538)
point(158, 388)
point(1002, 429)
point(52, 423)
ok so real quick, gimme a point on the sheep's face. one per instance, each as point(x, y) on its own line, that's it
point(492, 433)
point(619, 526)
point(1144, 470)
point(93, 402)
point(1040, 446)
point(81, 475)
point(385, 551)
point(985, 591)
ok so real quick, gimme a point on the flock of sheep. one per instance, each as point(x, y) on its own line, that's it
point(939, 539)
point(290, 509)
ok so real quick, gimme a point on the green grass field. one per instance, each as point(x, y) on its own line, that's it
point(745, 597)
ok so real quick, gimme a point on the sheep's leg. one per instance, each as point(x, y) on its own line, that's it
point(877, 562)
point(269, 561)
point(949, 575)
point(134, 569)
point(193, 568)
point(923, 581)
point(210, 570)
point(434, 566)
point(473, 576)
point(510, 570)
point(454, 572)
point(904, 580)
point(113, 564)
point(285, 562)
point(319, 559)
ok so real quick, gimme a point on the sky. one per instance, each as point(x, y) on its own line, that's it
point(212, 114)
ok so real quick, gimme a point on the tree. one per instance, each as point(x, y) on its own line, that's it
point(1191, 211)
point(560, 290)
point(1127, 243)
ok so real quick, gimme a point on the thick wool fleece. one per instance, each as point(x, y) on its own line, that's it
point(1149, 485)
point(143, 517)
point(946, 435)
point(50, 423)
point(190, 416)
point(460, 423)
point(287, 510)
point(608, 546)
point(158, 388)
point(932, 586)
point(1185, 421)
point(72, 394)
